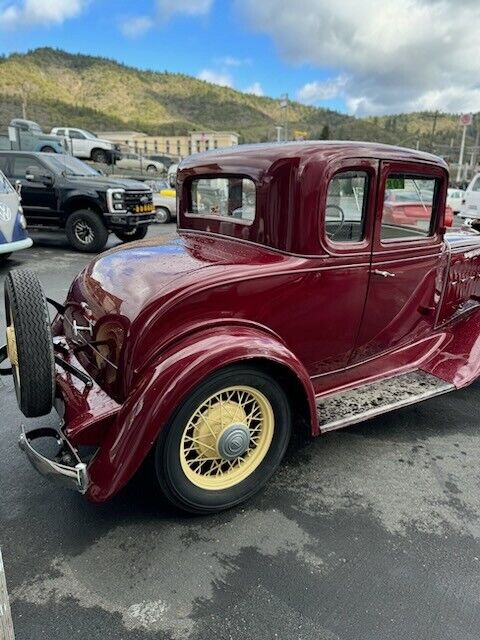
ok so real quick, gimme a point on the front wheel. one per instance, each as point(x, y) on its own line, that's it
point(224, 443)
point(133, 234)
point(48, 149)
point(151, 169)
point(85, 231)
point(100, 156)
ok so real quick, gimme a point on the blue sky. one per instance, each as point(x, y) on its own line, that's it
point(390, 57)
point(217, 42)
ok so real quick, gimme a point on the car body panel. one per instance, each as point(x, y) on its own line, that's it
point(275, 290)
point(13, 236)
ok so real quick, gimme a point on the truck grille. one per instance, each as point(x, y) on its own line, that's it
point(139, 201)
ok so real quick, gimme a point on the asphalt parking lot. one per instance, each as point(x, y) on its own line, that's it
point(370, 533)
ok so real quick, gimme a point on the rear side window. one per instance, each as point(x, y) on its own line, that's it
point(408, 207)
point(346, 206)
point(233, 198)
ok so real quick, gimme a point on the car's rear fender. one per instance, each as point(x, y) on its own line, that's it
point(166, 383)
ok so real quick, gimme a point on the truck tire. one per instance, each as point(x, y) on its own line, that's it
point(224, 442)
point(29, 343)
point(48, 149)
point(135, 234)
point(86, 231)
point(100, 155)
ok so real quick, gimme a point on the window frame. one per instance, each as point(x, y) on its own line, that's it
point(420, 170)
point(370, 166)
point(364, 212)
point(226, 176)
point(433, 216)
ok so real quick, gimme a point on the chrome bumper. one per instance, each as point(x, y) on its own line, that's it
point(67, 468)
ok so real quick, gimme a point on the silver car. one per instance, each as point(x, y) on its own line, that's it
point(13, 235)
point(164, 200)
point(135, 162)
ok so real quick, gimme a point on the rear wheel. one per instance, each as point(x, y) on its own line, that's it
point(163, 215)
point(151, 169)
point(134, 234)
point(85, 231)
point(224, 442)
point(101, 156)
point(48, 149)
point(29, 343)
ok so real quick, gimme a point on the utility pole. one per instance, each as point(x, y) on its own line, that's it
point(465, 121)
point(284, 105)
point(279, 133)
point(434, 126)
point(473, 157)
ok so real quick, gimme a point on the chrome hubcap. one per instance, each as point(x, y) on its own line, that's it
point(233, 441)
point(83, 232)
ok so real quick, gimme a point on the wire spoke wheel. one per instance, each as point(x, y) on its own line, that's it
point(227, 437)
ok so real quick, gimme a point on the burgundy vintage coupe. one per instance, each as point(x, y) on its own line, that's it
point(288, 299)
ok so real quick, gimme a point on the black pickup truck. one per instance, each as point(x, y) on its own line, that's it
point(59, 191)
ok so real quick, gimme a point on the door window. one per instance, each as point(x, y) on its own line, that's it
point(76, 135)
point(408, 207)
point(345, 209)
point(21, 164)
point(60, 132)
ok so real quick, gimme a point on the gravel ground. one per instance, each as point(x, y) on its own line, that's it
point(370, 533)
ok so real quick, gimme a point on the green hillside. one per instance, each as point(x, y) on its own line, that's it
point(100, 94)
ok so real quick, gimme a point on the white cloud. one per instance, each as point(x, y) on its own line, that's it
point(255, 88)
point(216, 77)
point(231, 61)
point(167, 8)
point(395, 55)
point(136, 26)
point(313, 92)
point(39, 12)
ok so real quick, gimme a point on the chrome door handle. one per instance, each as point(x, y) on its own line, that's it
point(384, 274)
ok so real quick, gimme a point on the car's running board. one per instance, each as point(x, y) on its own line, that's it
point(347, 407)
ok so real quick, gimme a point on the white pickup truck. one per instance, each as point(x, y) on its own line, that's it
point(85, 144)
point(470, 206)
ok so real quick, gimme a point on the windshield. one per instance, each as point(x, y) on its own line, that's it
point(69, 165)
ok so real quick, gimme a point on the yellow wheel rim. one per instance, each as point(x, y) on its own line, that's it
point(202, 448)
point(12, 346)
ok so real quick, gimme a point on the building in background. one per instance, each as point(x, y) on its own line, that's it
point(194, 142)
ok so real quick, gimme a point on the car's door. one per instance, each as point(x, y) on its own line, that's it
point(39, 200)
point(408, 261)
point(338, 290)
point(80, 144)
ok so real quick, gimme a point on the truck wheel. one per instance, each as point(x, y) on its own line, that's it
point(135, 234)
point(163, 215)
point(29, 343)
point(48, 149)
point(86, 231)
point(99, 155)
point(224, 442)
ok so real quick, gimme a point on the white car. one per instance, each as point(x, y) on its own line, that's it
point(470, 207)
point(13, 234)
point(135, 162)
point(454, 199)
point(85, 144)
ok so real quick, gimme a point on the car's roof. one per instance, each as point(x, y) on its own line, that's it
point(327, 148)
point(40, 154)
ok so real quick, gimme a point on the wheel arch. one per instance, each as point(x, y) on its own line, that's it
point(165, 384)
point(80, 201)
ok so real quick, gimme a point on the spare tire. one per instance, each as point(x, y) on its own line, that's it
point(29, 343)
